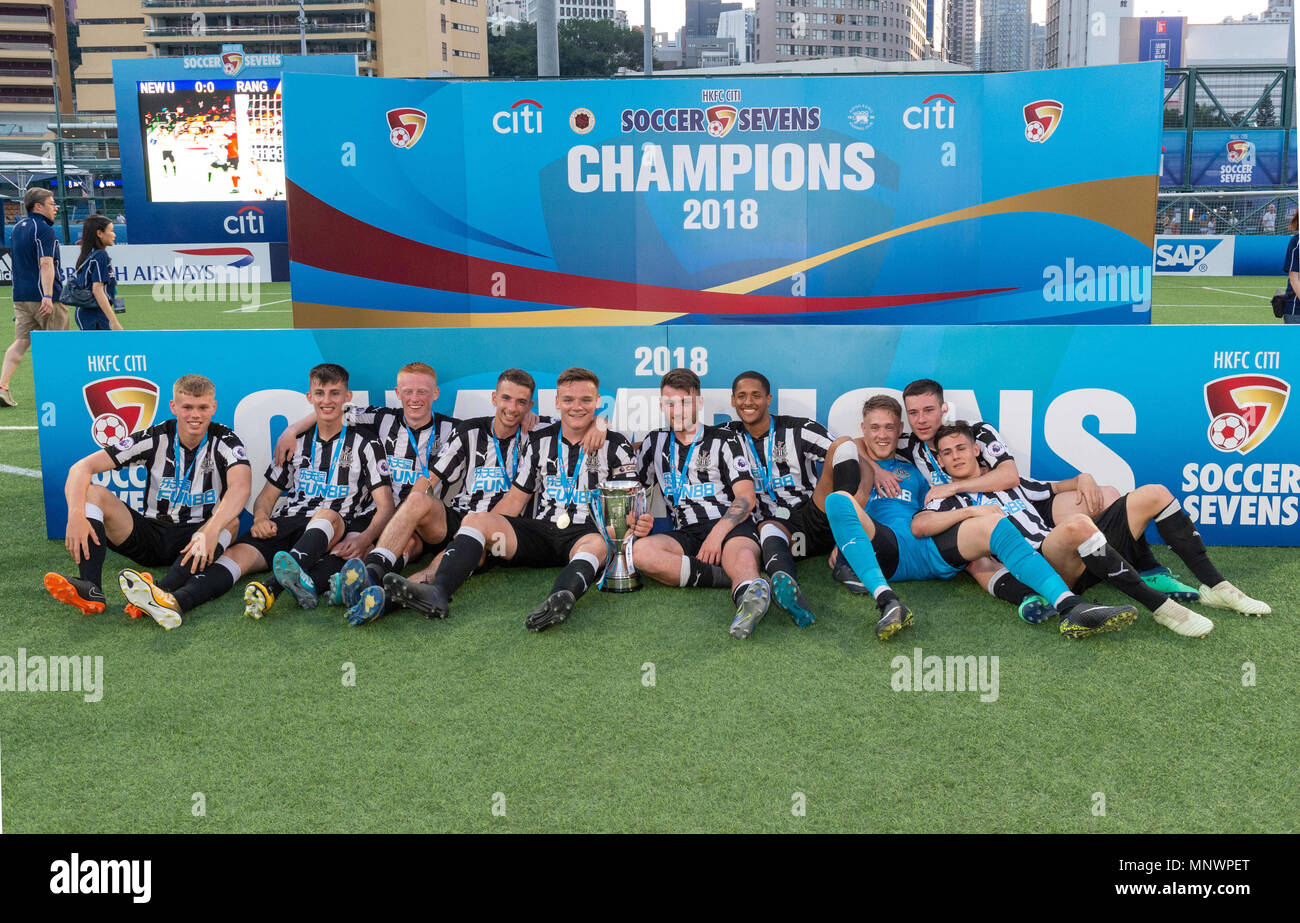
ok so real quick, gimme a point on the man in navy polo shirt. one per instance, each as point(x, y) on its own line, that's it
point(34, 252)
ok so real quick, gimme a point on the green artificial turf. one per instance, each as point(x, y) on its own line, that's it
point(564, 730)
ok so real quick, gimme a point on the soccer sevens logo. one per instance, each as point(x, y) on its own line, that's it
point(119, 406)
point(721, 120)
point(1241, 151)
point(1244, 410)
point(231, 62)
point(1041, 119)
point(405, 126)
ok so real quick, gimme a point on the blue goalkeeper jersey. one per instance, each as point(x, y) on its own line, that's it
point(897, 512)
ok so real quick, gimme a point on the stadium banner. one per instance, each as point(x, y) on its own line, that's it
point(152, 264)
point(1202, 410)
point(1173, 158)
point(897, 199)
point(1181, 255)
point(1261, 255)
point(201, 143)
point(1237, 157)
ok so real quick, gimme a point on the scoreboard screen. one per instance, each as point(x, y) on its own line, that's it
point(212, 140)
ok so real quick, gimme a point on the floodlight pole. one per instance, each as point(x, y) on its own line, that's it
point(302, 29)
point(548, 39)
point(648, 43)
point(58, 150)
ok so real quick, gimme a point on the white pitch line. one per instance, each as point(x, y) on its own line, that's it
point(246, 309)
point(25, 472)
point(17, 427)
point(1229, 292)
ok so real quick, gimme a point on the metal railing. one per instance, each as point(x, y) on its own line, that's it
point(216, 31)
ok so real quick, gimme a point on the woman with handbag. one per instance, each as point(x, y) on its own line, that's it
point(1291, 266)
point(94, 287)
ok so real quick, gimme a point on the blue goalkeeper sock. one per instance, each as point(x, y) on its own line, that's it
point(1025, 564)
point(853, 542)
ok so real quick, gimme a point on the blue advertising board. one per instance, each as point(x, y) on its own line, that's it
point(1173, 153)
point(1160, 38)
point(1237, 157)
point(926, 199)
point(201, 142)
point(1212, 424)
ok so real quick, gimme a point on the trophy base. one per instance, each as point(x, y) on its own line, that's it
point(621, 585)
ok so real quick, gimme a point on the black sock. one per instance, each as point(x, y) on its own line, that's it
point(1143, 558)
point(329, 566)
point(310, 548)
point(92, 566)
point(177, 576)
point(1008, 589)
point(377, 565)
point(459, 561)
point(1105, 563)
point(1176, 528)
point(740, 591)
point(204, 586)
point(777, 557)
point(887, 596)
point(577, 577)
point(846, 476)
point(706, 576)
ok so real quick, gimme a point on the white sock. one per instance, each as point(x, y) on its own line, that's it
point(229, 564)
point(322, 525)
point(94, 512)
point(387, 555)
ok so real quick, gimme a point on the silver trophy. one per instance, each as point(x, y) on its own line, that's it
point(610, 506)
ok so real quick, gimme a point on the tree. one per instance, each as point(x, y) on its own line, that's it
point(588, 48)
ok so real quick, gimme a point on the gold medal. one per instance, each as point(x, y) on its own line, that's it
point(563, 521)
point(782, 513)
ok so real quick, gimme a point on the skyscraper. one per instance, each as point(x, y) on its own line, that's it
point(1004, 35)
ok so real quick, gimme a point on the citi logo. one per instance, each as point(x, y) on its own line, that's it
point(1108, 284)
point(248, 220)
point(521, 118)
point(937, 111)
point(103, 876)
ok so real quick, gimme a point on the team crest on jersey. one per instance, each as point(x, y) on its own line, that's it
point(593, 463)
point(780, 455)
point(207, 466)
point(704, 462)
point(346, 458)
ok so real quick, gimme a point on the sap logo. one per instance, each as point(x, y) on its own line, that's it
point(1182, 256)
point(248, 220)
point(932, 113)
point(518, 120)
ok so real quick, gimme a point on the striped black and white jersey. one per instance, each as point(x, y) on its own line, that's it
point(993, 452)
point(187, 493)
point(549, 470)
point(485, 464)
point(410, 452)
point(797, 449)
point(338, 474)
point(699, 489)
point(1016, 503)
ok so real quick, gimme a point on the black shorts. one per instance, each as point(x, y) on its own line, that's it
point(454, 519)
point(885, 545)
point(809, 521)
point(1113, 523)
point(541, 543)
point(692, 538)
point(288, 529)
point(1044, 508)
point(154, 543)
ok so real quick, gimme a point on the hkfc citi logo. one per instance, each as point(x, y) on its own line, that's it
point(1041, 119)
point(721, 120)
point(119, 406)
point(1244, 410)
point(232, 59)
point(1241, 151)
point(405, 126)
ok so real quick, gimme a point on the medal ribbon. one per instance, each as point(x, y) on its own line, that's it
point(189, 472)
point(421, 460)
point(570, 485)
point(768, 469)
point(334, 458)
point(685, 470)
point(514, 461)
